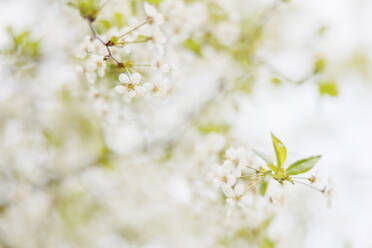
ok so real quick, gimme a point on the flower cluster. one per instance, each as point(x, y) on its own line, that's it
point(230, 176)
point(241, 176)
point(132, 55)
point(75, 154)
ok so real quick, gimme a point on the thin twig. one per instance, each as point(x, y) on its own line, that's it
point(95, 36)
point(308, 185)
point(133, 29)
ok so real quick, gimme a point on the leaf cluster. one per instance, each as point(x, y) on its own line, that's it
point(277, 170)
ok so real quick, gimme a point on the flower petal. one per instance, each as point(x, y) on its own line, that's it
point(149, 9)
point(227, 190)
point(136, 78)
point(120, 89)
point(123, 78)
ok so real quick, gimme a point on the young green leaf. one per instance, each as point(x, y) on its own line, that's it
point(319, 66)
point(193, 46)
point(303, 165)
point(268, 161)
point(280, 150)
point(264, 184)
point(328, 88)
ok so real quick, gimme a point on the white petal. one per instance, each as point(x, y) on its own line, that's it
point(149, 9)
point(148, 86)
point(239, 189)
point(230, 153)
point(124, 78)
point(230, 202)
point(91, 77)
point(101, 71)
point(120, 89)
point(230, 180)
point(140, 90)
point(91, 66)
point(131, 94)
point(160, 37)
point(79, 69)
point(227, 190)
point(159, 19)
point(236, 172)
point(228, 165)
point(136, 78)
point(165, 68)
point(246, 200)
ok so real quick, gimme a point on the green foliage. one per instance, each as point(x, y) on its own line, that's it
point(302, 166)
point(319, 66)
point(75, 209)
point(264, 184)
point(277, 171)
point(88, 9)
point(280, 150)
point(245, 47)
point(267, 243)
point(104, 158)
point(245, 85)
point(153, 2)
point(322, 30)
point(24, 45)
point(266, 158)
point(214, 128)
point(328, 88)
point(168, 153)
point(251, 237)
point(216, 13)
point(117, 20)
point(193, 46)
point(276, 81)
point(133, 7)
point(24, 51)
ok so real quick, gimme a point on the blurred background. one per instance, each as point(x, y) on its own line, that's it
point(326, 112)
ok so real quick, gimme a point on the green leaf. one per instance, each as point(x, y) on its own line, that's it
point(222, 128)
point(276, 81)
point(319, 66)
point(88, 8)
point(303, 165)
point(266, 158)
point(133, 6)
point(267, 243)
point(193, 46)
point(264, 184)
point(328, 88)
point(119, 20)
point(280, 150)
point(114, 40)
point(154, 2)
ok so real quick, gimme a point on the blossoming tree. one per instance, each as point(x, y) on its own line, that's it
point(135, 148)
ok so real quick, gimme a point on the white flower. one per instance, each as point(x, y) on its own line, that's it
point(131, 81)
point(120, 89)
point(90, 76)
point(130, 85)
point(161, 86)
point(140, 90)
point(224, 177)
point(239, 159)
point(97, 63)
point(153, 16)
point(328, 192)
point(157, 41)
point(160, 66)
point(88, 46)
point(236, 196)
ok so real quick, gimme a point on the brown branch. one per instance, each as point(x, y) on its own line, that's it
point(106, 44)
